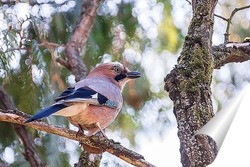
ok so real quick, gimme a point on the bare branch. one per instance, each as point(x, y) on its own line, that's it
point(30, 152)
point(230, 52)
point(93, 159)
point(63, 62)
point(229, 21)
point(49, 45)
point(189, 2)
point(104, 144)
point(79, 38)
point(221, 17)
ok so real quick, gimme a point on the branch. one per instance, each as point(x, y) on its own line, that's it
point(79, 38)
point(93, 159)
point(221, 17)
point(229, 21)
point(49, 45)
point(30, 152)
point(62, 62)
point(230, 52)
point(103, 144)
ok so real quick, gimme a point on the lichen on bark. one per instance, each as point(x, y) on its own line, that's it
point(188, 85)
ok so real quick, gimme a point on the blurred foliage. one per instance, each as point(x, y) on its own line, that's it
point(170, 35)
point(32, 77)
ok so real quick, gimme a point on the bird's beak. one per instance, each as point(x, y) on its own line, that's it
point(133, 75)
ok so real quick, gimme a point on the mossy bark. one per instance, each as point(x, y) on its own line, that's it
point(188, 85)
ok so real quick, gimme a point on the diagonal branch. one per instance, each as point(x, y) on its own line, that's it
point(30, 152)
point(79, 38)
point(230, 52)
point(104, 144)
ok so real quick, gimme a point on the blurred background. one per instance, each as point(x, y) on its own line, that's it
point(146, 35)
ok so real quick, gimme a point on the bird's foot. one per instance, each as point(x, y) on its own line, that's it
point(101, 130)
point(80, 131)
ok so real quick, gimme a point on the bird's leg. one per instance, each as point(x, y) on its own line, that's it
point(80, 131)
point(99, 127)
point(102, 132)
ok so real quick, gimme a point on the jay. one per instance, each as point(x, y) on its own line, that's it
point(94, 102)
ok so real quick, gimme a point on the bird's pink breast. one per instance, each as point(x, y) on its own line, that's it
point(92, 115)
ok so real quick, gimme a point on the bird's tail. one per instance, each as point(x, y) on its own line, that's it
point(46, 112)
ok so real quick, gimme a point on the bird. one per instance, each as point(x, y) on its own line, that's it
point(94, 102)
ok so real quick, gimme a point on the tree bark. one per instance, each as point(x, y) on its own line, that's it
point(230, 52)
point(188, 85)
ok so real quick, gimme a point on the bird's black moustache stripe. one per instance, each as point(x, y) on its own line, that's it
point(120, 77)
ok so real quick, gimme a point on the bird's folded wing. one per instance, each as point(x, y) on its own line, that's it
point(72, 101)
point(84, 95)
point(72, 93)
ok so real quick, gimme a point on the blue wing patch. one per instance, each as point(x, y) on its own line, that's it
point(105, 101)
point(85, 93)
point(101, 99)
point(71, 93)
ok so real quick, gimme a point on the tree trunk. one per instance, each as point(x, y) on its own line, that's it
point(188, 85)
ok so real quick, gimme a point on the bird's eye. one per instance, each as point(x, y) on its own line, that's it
point(117, 70)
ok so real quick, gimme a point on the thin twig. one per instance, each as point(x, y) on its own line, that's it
point(189, 2)
point(104, 144)
point(62, 62)
point(49, 44)
point(229, 21)
point(221, 17)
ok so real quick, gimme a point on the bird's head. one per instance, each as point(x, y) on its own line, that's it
point(116, 72)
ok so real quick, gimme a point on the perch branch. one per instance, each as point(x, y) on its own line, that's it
point(104, 144)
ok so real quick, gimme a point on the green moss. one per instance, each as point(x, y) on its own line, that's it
point(197, 68)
